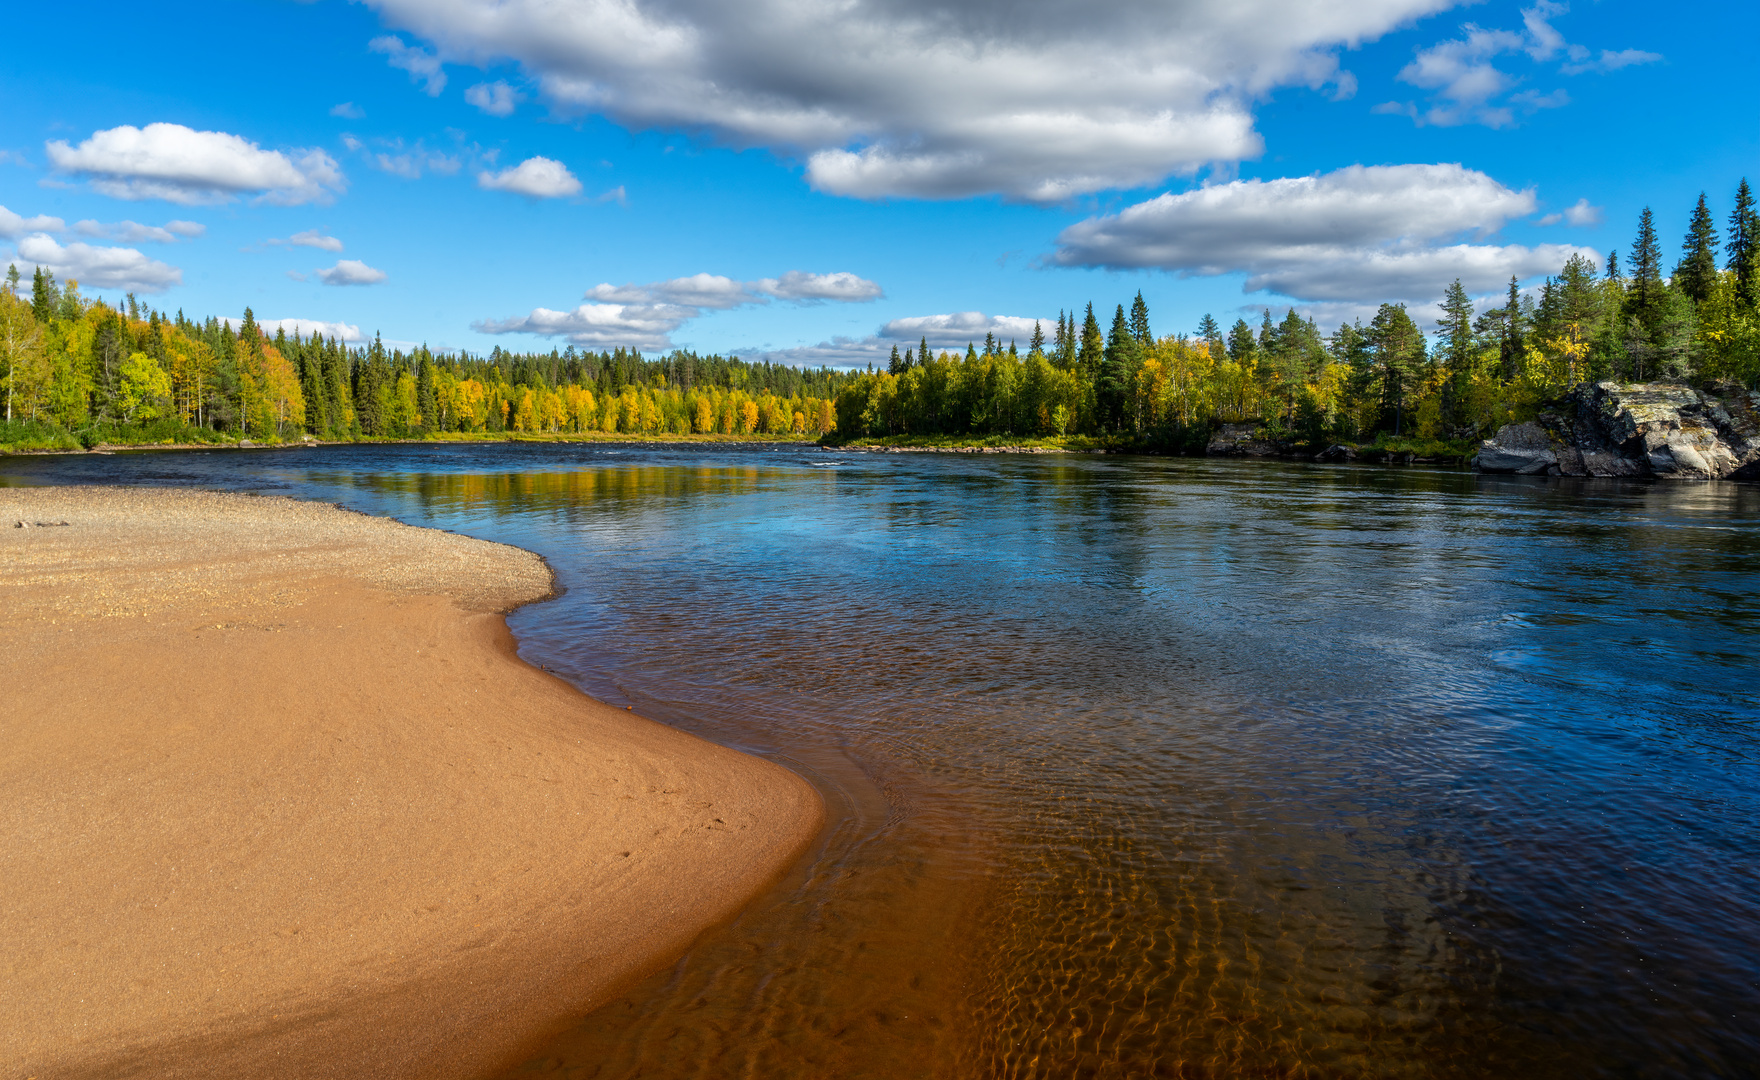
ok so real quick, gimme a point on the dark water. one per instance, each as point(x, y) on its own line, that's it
point(1151, 767)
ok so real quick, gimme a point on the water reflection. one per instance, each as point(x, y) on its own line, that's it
point(1160, 767)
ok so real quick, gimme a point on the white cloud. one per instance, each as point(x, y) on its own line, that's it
point(535, 177)
point(496, 98)
point(341, 331)
point(133, 232)
point(697, 291)
point(798, 285)
point(12, 226)
point(640, 326)
point(1609, 61)
point(918, 98)
point(958, 329)
point(423, 67)
point(311, 238)
point(1357, 234)
point(1581, 213)
point(351, 272)
point(181, 165)
point(1468, 87)
point(113, 268)
point(949, 332)
point(348, 110)
point(645, 316)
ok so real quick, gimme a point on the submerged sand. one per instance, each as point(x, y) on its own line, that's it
point(277, 798)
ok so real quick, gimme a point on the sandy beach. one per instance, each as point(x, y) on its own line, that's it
point(277, 798)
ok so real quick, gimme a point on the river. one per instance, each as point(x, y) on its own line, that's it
point(1155, 767)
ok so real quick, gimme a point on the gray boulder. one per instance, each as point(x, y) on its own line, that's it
point(1665, 430)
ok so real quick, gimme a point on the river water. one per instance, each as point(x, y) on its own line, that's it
point(1156, 767)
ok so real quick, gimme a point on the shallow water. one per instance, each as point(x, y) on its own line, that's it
point(1157, 767)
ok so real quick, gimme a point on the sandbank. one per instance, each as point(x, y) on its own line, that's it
point(277, 798)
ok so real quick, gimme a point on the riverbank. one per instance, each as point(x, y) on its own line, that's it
point(281, 800)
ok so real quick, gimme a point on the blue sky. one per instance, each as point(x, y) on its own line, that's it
point(532, 174)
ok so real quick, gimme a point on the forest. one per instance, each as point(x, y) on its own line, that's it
point(83, 372)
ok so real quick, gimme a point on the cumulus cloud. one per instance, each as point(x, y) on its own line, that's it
point(535, 177)
point(311, 238)
point(181, 165)
point(1357, 234)
point(949, 332)
point(13, 226)
point(133, 232)
point(801, 286)
point(307, 327)
point(646, 316)
point(118, 268)
point(423, 66)
point(496, 98)
point(915, 98)
point(351, 272)
point(1469, 88)
point(1579, 214)
point(958, 329)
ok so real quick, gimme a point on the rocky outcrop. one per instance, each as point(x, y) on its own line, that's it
point(1665, 430)
point(1240, 440)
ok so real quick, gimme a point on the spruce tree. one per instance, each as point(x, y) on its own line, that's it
point(1743, 249)
point(1644, 299)
point(1514, 341)
point(1243, 349)
point(1093, 344)
point(923, 354)
point(1697, 272)
point(895, 364)
point(43, 296)
point(1037, 346)
point(1140, 321)
point(1112, 389)
point(1455, 331)
point(1398, 346)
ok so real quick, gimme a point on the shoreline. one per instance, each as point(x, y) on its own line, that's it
point(282, 800)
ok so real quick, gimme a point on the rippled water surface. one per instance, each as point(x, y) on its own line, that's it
point(1147, 767)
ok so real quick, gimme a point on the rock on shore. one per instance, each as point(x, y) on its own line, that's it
point(1663, 430)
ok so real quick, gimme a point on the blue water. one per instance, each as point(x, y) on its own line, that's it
point(1156, 767)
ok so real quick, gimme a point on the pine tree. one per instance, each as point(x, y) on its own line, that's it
point(1455, 331)
point(1398, 346)
point(426, 403)
point(1697, 272)
point(1112, 388)
point(1208, 330)
point(1743, 249)
point(1511, 347)
point(43, 296)
point(1243, 349)
point(1140, 321)
point(1093, 345)
point(1644, 298)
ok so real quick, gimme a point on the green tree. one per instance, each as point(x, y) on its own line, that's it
point(1697, 270)
point(1118, 368)
point(1454, 332)
point(1140, 321)
point(1398, 349)
point(1743, 248)
point(1644, 297)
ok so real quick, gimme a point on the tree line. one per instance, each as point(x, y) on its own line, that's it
point(85, 366)
point(1470, 372)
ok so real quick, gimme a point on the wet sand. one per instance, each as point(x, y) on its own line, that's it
point(277, 798)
